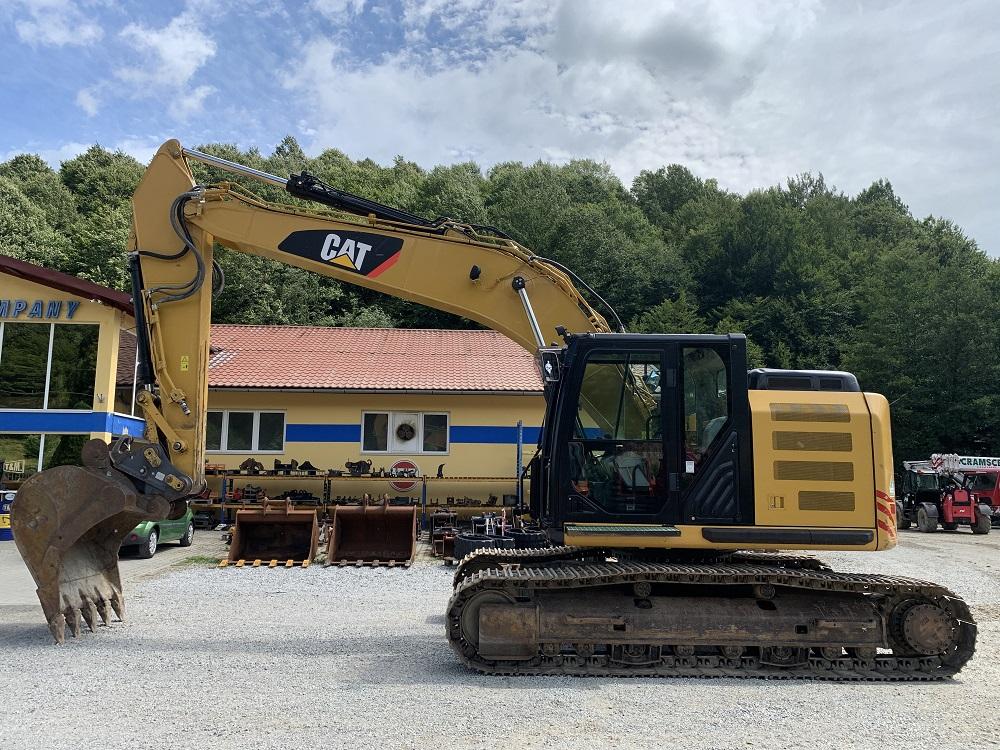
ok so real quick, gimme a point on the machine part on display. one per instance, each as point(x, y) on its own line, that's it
point(440, 471)
point(299, 497)
point(68, 525)
point(533, 620)
point(275, 532)
point(372, 535)
point(286, 469)
point(525, 538)
point(467, 543)
point(308, 468)
point(252, 466)
point(358, 468)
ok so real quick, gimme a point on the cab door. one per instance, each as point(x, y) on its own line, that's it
point(652, 429)
point(616, 420)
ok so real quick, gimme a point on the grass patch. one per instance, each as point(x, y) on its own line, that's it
point(199, 560)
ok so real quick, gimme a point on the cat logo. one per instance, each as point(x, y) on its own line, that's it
point(365, 253)
point(347, 253)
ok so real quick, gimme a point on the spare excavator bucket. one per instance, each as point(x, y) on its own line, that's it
point(275, 533)
point(372, 535)
point(68, 523)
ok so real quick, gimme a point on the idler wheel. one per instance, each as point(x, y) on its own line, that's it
point(928, 629)
point(470, 613)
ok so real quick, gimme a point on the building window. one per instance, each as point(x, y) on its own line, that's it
point(47, 366)
point(404, 432)
point(245, 431)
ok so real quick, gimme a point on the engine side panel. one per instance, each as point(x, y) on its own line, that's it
point(814, 460)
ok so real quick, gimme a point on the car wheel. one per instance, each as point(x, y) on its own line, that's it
point(148, 549)
point(188, 536)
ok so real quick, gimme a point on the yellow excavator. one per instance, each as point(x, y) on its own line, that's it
point(667, 478)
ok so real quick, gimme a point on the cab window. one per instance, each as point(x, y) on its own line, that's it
point(616, 452)
point(704, 379)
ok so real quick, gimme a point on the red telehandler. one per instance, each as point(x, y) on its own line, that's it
point(949, 490)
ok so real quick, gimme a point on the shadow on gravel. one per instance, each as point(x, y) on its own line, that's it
point(414, 660)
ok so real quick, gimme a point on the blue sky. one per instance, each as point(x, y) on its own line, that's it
point(746, 92)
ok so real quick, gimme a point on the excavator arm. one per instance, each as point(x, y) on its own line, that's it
point(458, 268)
point(69, 521)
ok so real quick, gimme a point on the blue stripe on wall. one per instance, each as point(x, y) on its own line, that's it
point(490, 434)
point(71, 421)
point(323, 433)
point(351, 433)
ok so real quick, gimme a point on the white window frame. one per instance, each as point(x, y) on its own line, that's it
point(420, 432)
point(48, 368)
point(255, 438)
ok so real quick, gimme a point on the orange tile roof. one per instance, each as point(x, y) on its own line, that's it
point(383, 359)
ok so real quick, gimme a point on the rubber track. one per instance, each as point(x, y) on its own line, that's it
point(884, 667)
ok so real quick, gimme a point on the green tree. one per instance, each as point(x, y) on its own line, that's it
point(25, 232)
point(671, 316)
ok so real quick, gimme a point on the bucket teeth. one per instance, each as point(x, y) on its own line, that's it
point(104, 611)
point(57, 626)
point(89, 611)
point(75, 620)
point(118, 605)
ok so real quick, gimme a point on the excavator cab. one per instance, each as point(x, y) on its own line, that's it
point(647, 430)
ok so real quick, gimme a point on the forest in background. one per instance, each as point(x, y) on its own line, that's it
point(816, 279)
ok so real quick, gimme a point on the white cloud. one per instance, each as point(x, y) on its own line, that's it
point(168, 59)
point(749, 93)
point(338, 11)
point(190, 103)
point(54, 22)
point(88, 100)
point(173, 54)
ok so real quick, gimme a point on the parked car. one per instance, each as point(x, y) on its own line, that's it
point(148, 534)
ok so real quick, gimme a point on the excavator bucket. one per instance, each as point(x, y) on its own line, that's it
point(372, 535)
point(275, 533)
point(68, 523)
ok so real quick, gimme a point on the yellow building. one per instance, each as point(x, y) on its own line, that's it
point(434, 401)
point(428, 402)
point(59, 341)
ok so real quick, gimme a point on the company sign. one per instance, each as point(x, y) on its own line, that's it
point(954, 462)
point(39, 309)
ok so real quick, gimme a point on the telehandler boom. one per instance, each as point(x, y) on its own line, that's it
point(660, 459)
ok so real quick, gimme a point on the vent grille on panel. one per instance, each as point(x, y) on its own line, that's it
point(810, 413)
point(812, 441)
point(819, 471)
point(839, 501)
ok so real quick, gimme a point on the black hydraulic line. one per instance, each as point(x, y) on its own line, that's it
point(569, 272)
point(188, 288)
point(311, 188)
point(144, 361)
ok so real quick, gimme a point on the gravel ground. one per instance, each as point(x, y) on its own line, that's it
point(346, 658)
